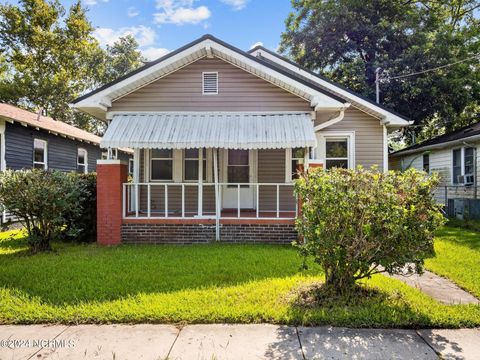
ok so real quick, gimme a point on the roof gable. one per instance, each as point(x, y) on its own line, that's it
point(98, 101)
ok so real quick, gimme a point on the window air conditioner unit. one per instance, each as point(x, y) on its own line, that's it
point(468, 179)
point(460, 179)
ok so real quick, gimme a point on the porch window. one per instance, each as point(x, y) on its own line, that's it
point(39, 154)
point(336, 153)
point(161, 164)
point(463, 165)
point(82, 164)
point(238, 169)
point(298, 157)
point(191, 162)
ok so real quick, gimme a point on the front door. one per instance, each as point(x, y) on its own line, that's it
point(238, 168)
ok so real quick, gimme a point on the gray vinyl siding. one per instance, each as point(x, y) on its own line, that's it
point(369, 145)
point(61, 152)
point(238, 90)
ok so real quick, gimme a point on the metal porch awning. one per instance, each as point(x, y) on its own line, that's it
point(228, 130)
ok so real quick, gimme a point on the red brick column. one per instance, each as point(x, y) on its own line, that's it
point(111, 174)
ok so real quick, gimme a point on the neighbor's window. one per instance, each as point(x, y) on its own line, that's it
point(462, 163)
point(161, 164)
point(336, 153)
point(82, 161)
point(298, 157)
point(426, 163)
point(130, 167)
point(39, 154)
point(191, 162)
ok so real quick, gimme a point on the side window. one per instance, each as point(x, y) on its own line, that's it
point(161, 164)
point(426, 163)
point(336, 153)
point(456, 165)
point(40, 154)
point(298, 157)
point(130, 167)
point(82, 161)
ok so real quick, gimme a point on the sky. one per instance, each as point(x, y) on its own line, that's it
point(161, 26)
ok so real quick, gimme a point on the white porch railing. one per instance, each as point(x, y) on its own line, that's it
point(194, 200)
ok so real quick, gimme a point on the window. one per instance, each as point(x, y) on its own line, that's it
point(114, 154)
point(426, 163)
point(39, 154)
point(161, 164)
point(82, 161)
point(130, 167)
point(298, 157)
point(238, 169)
point(191, 162)
point(462, 163)
point(210, 83)
point(336, 153)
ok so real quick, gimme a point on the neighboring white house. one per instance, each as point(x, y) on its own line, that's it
point(453, 156)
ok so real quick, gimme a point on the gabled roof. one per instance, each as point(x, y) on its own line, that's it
point(390, 117)
point(98, 101)
point(15, 114)
point(465, 134)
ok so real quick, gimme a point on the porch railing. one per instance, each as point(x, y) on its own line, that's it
point(193, 200)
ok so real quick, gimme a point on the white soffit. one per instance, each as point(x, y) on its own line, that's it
point(228, 130)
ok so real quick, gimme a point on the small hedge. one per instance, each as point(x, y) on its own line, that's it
point(52, 205)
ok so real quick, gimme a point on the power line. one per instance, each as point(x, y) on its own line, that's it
point(430, 70)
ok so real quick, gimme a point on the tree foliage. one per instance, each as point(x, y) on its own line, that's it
point(347, 40)
point(51, 57)
point(356, 223)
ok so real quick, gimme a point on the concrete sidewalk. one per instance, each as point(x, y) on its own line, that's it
point(232, 342)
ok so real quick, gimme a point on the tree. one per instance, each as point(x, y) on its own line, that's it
point(121, 58)
point(356, 223)
point(347, 40)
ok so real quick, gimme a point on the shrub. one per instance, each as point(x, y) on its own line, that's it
point(46, 203)
point(356, 223)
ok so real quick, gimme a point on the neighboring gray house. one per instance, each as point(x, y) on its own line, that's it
point(29, 140)
point(454, 157)
point(218, 134)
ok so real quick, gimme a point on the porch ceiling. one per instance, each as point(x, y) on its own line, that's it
point(228, 130)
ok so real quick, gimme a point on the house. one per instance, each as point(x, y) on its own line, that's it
point(218, 135)
point(29, 140)
point(454, 157)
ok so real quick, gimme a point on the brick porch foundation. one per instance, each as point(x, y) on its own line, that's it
point(194, 233)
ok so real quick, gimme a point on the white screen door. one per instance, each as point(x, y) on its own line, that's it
point(238, 168)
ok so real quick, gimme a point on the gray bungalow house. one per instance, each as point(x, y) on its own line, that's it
point(218, 135)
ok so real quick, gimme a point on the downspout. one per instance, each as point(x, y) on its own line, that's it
point(334, 120)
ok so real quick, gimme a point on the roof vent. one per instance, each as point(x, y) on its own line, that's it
point(210, 83)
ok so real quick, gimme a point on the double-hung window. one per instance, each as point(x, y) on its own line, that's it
point(336, 153)
point(40, 154)
point(298, 157)
point(161, 165)
point(462, 164)
point(192, 162)
point(82, 161)
point(426, 163)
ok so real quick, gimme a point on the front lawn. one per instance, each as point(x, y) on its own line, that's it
point(458, 257)
point(195, 284)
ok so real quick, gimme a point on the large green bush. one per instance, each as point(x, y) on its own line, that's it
point(356, 223)
point(51, 205)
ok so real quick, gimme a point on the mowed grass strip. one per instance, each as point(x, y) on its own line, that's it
point(458, 257)
point(195, 284)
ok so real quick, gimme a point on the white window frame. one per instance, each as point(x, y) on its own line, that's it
point(45, 154)
point(204, 159)
point(85, 165)
point(150, 158)
point(288, 163)
point(337, 135)
point(462, 164)
point(131, 167)
point(203, 82)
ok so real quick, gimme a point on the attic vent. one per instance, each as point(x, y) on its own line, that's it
point(210, 83)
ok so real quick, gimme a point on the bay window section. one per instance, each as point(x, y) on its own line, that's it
point(336, 153)
point(191, 164)
point(161, 165)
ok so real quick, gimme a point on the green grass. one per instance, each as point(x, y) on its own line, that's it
point(458, 257)
point(195, 284)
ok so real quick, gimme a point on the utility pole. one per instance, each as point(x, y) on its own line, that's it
point(377, 83)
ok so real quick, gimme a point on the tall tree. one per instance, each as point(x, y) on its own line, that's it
point(122, 57)
point(347, 40)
